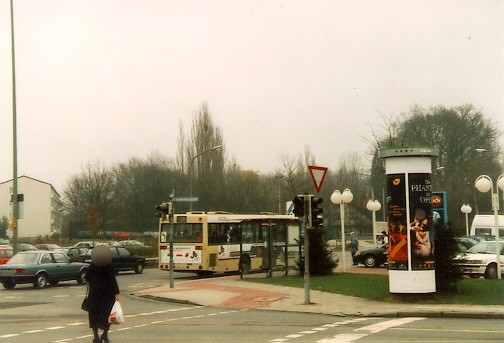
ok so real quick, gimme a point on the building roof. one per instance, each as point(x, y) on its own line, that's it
point(31, 178)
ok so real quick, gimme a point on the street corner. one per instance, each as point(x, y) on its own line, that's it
point(227, 294)
point(251, 299)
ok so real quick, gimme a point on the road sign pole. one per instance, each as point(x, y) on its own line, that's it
point(171, 218)
point(307, 216)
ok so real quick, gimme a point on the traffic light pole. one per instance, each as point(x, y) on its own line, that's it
point(171, 218)
point(306, 224)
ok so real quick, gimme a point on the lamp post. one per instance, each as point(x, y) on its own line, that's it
point(279, 179)
point(373, 206)
point(484, 184)
point(191, 170)
point(15, 204)
point(342, 199)
point(466, 209)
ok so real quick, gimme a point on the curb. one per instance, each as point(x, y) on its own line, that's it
point(384, 314)
point(168, 300)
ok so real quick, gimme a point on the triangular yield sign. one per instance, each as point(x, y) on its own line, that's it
point(318, 175)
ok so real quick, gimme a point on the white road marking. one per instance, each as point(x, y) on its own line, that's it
point(377, 327)
point(76, 323)
point(349, 337)
point(343, 338)
point(10, 335)
point(33, 331)
point(126, 328)
point(294, 336)
point(120, 328)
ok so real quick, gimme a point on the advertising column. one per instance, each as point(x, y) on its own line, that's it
point(410, 219)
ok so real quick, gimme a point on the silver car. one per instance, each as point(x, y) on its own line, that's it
point(41, 267)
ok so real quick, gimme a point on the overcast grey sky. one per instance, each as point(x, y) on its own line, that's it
point(111, 79)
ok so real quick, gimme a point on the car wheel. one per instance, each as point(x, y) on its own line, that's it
point(40, 281)
point(139, 268)
point(491, 271)
point(9, 284)
point(370, 261)
point(82, 278)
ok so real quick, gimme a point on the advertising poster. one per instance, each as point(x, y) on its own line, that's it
point(397, 222)
point(439, 207)
point(421, 226)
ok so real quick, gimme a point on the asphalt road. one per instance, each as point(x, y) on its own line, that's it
point(53, 315)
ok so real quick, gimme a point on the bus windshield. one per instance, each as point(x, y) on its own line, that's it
point(182, 233)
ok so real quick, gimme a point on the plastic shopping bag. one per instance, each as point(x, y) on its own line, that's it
point(116, 315)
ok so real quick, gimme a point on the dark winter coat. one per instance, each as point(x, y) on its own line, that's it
point(101, 295)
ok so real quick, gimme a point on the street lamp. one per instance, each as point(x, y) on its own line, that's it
point(279, 179)
point(484, 184)
point(191, 171)
point(466, 209)
point(342, 199)
point(373, 206)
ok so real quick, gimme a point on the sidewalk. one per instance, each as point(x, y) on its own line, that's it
point(231, 292)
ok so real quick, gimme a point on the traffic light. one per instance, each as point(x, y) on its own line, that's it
point(164, 209)
point(299, 210)
point(316, 212)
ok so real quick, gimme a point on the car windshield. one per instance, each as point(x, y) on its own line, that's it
point(485, 247)
point(23, 259)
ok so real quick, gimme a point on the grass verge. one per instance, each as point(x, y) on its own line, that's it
point(376, 287)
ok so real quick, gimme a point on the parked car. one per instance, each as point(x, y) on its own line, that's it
point(46, 246)
point(481, 260)
point(130, 242)
point(41, 267)
point(26, 247)
point(151, 234)
point(88, 244)
point(122, 259)
point(372, 257)
point(72, 252)
point(483, 238)
point(465, 243)
point(6, 253)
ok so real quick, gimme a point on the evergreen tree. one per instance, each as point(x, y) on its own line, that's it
point(321, 259)
point(447, 272)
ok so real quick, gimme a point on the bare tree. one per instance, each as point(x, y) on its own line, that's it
point(140, 185)
point(95, 186)
point(206, 168)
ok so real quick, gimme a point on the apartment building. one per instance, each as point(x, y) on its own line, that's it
point(39, 207)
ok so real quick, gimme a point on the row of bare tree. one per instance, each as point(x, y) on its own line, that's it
point(125, 196)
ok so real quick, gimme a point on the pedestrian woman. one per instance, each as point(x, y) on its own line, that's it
point(354, 246)
point(103, 291)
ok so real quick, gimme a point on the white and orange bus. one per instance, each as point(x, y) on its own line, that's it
point(221, 242)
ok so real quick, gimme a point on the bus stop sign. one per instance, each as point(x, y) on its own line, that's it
point(318, 175)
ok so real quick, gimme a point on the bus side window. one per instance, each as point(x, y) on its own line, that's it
point(213, 230)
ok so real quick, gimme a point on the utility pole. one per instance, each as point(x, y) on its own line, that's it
point(15, 205)
point(171, 218)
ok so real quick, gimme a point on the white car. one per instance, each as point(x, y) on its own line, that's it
point(130, 243)
point(481, 260)
point(88, 244)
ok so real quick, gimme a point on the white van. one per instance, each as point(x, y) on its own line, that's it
point(484, 225)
